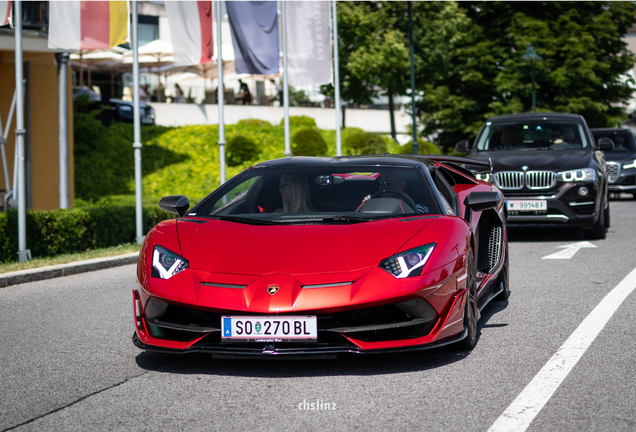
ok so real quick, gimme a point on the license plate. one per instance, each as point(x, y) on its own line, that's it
point(269, 328)
point(528, 205)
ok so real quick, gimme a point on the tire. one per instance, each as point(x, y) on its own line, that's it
point(599, 231)
point(503, 277)
point(607, 216)
point(471, 312)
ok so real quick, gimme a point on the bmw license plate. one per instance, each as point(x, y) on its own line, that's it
point(269, 328)
point(527, 205)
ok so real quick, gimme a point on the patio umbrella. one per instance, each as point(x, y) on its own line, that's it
point(95, 57)
point(158, 52)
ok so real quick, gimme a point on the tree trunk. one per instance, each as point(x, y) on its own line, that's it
point(392, 114)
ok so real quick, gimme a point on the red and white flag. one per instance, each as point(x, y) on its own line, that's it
point(5, 12)
point(75, 25)
point(191, 31)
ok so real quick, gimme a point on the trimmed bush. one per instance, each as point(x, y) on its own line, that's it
point(240, 150)
point(365, 143)
point(253, 122)
point(423, 148)
point(58, 232)
point(309, 142)
point(300, 122)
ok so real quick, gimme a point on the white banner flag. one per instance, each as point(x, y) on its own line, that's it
point(308, 43)
point(5, 12)
point(191, 31)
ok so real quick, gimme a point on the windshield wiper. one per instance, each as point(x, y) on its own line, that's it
point(246, 220)
point(347, 219)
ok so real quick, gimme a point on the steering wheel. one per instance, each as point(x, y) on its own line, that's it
point(404, 195)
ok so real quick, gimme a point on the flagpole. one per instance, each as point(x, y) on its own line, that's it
point(285, 82)
point(24, 254)
point(136, 126)
point(337, 80)
point(414, 114)
point(220, 94)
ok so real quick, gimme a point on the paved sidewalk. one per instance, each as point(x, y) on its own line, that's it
point(42, 273)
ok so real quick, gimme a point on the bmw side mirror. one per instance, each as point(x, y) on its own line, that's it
point(177, 204)
point(463, 146)
point(605, 143)
point(480, 201)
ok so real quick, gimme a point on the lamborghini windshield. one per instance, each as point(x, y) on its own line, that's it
point(330, 194)
point(530, 135)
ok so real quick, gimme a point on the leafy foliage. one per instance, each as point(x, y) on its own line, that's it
point(309, 142)
point(300, 122)
point(365, 143)
point(104, 157)
point(240, 150)
point(584, 59)
point(423, 148)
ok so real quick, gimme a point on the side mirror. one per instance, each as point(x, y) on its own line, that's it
point(177, 204)
point(480, 201)
point(605, 143)
point(463, 146)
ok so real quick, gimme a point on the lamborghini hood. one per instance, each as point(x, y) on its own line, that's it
point(236, 248)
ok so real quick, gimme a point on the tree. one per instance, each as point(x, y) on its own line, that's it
point(582, 72)
point(374, 47)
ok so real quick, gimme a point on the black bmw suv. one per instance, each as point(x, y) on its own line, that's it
point(549, 168)
point(621, 160)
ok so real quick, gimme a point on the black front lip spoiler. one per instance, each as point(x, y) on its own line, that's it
point(289, 353)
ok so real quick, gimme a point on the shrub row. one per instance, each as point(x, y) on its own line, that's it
point(57, 232)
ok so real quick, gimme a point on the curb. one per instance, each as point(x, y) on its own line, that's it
point(38, 274)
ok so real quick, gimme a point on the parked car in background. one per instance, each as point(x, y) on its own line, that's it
point(325, 256)
point(122, 110)
point(621, 160)
point(549, 167)
point(93, 96)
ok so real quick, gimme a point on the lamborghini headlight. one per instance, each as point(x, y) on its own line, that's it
point(166, 263)
point(485, 177)
point(583, 174)
point(629, 165)
point(409, 263)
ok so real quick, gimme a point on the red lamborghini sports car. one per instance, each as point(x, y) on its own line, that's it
point(315, 257)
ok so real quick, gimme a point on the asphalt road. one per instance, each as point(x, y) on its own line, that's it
point(68, 363)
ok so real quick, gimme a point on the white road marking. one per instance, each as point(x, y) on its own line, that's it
point(522, 411)
point(569, 250)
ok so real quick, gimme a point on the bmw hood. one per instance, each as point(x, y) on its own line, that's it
point(236, 248)
point(536, 160)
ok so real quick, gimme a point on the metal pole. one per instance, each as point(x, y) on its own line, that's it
point(415, 146)
point(23, 253)
point(62, 125)
point(137, 126)
point(336, 84)
point(534, 102)
point(285, 83)
point(220, 93)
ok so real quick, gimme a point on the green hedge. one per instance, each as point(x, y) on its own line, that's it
point(423, 148)
point(57, 232)
point(309, 142)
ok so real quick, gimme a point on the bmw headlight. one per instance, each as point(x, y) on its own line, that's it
point(629, 165)
point(166, 264)
point(409, 263)
point(584, 174)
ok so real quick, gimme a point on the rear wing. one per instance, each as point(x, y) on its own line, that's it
point(463, 164)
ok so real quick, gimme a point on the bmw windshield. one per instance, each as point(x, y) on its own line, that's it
point(532, 135)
